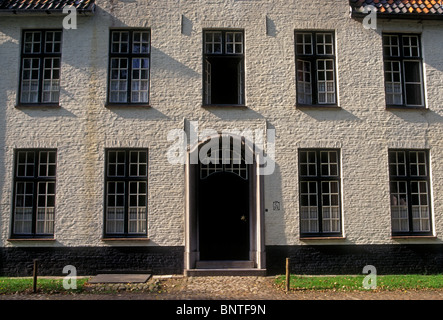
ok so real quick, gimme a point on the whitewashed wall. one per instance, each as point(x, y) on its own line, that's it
point(83, 127)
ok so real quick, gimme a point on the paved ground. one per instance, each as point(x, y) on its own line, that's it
point(220, 288)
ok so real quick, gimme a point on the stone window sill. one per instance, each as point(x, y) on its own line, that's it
point(125, 239)
point(38, 105)
point(405, 108)
point(318, 106)
point(412, 237)
point(127, 105)
point(224, 106)
point(322, 238)
point(30, 239)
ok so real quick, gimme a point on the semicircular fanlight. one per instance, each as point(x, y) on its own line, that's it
point(223, 160)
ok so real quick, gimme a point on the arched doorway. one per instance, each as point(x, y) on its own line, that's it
point(223, 205)
point(224, 218)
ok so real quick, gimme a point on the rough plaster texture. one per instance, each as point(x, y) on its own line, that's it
point(82, 127)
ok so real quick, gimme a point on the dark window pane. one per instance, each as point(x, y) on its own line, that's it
point(50, 201)
point(142, 170)
point(111, 200)
point(414, 94)
point(402, 187)
point(121, 157)
point(304, 170)
point(412, 71)
point(304, 200)
point(394, 187)
point(112, 157)
point(304, 187)
point(121, 170)
point(313, 199)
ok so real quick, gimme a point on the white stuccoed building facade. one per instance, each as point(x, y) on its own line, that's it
point(352, 120)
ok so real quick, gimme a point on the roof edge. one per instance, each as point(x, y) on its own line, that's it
point(399, 16)
point(39, 12)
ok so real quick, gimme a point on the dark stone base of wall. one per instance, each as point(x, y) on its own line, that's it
point(306, 259)
point(18, 261)
point(351, 259)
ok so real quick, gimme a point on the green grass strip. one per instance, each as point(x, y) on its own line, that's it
point(351, 283)
point(44, 285)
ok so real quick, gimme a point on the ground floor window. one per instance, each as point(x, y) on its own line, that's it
point(410, 192)
point(126, 192)
point(319, 176)
point(34, 193)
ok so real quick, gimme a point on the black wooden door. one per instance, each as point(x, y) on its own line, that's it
point(223, 217)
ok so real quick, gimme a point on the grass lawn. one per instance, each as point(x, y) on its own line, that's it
point(44, 285)
point(350, 283)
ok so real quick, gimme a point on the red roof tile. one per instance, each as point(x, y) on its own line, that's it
point(45, 5)
point(403, 8)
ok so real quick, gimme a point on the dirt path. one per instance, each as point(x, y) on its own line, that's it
point(225, 288)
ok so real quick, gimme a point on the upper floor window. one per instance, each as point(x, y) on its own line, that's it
point(403, 70)
point(34, 193)
point(315, 68)
point(40, 67)
point(129, 66)
point(223, 52)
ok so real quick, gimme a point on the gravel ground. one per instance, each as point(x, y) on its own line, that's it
point(220, 288)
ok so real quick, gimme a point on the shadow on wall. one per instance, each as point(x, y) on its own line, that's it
point(330, 115)
point(9, 85)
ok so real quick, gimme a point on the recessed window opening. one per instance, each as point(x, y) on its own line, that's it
point(223, 67)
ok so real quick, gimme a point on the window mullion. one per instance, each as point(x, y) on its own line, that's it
point(314, 88)
point(223, 42)
point(403, 80)
point(127, 182)
point(40, 79)
point(35, 181)
point(129, 88)
point(130, 56)
point(408, 191)
point(318, 179)
point(314, 73)
point(320, 206)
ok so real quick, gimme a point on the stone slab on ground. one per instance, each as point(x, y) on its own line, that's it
point(120, 278)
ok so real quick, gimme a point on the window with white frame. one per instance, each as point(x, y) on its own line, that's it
point(34, 193)
point(223, 52)
point(410, 192)
point(40, 67)
point(319, 177)
point(403, 68)
point(315, 68)
point(129, 66)
point(126, 192)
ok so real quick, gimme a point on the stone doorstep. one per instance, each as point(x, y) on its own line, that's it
point(225, 268)
point(247, 272)
point(224, 264)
